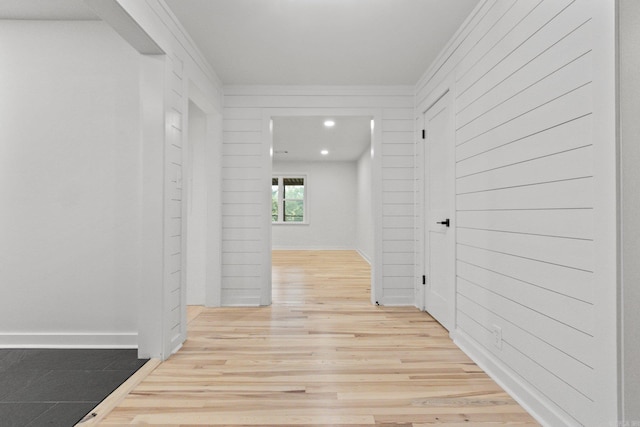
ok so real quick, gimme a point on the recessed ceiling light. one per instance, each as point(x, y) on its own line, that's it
point(329, 123)
point(324, 152)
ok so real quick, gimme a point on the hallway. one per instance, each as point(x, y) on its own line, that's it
point(320, 355)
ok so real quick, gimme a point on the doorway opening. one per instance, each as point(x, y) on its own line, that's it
point(201, 210)
point(322, 189)
point(195, 207)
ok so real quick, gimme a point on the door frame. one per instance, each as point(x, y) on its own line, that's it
point(376, 181)
point(211, 200)
point(422, 199)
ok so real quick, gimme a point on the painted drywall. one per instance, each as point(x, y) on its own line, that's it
point(196, 206)
point(69, 181)
point(629, 37)
point(331, 207)
point(535, 170)
point(364, 207)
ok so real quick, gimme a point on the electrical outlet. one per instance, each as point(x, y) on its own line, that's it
point(497, 337)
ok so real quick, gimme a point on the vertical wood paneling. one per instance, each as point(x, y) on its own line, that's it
point(244, 164)
point(525, 195)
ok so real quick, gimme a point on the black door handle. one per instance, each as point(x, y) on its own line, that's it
point(445, 222)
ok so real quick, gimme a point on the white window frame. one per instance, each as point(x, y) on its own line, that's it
point(281, 199)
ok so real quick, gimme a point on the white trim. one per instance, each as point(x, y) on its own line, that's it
point(364, 256)
point(241, 90)
point(396, 301)
point(606, 228)
point(376, 167)
point(448, 49)
point(213, 153)
point(313, 248)
point(377, 274)
point(69, 340)
point(532, 401)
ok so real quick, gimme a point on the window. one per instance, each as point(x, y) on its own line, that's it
point(288, 199)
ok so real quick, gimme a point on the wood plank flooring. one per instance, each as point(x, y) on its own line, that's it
point(321, 355)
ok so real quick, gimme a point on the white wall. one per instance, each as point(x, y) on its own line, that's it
point(364, 207)
point(535, 171)
point(196, 209)
point(246, 168)
point(70, 185)
point(331, 207)
point(629, 14)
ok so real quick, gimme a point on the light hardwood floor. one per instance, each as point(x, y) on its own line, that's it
point(320, 355)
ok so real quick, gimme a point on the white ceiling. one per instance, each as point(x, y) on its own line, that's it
point(46, 10)
point(321, 42)
point(300, 42)
point(304, 137)
point(303, 42)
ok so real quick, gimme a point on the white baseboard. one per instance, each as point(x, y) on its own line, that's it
point(364, 256)
point(312, 248)
point(68, 340)
point(523, 393)
point(396, 301)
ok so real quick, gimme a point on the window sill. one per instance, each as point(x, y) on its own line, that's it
point(290, 223)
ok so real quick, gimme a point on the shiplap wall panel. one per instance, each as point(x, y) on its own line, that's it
point(247, 221)
point(564, 137)
point(577, 284)
point(459, 47)
point(242, 125)
point(558, 56)
point(557, 391)
point(522, 76)
point(571, 106)
point(564, 309)
point(242, 137)
point(244, 165)
point(496, 25)
point(241, 149)
point(239, 209)
point(235, 293)
point(570, 194)
point(571, 253)
point(549, 168)
point(561, 336)
point(397, 149)
point(397, 189)
point(520, 95)
point(232, 258)
point(569, 223)
point(557, 362)
point(397, 113)
point(316, 101)
point(522, 36)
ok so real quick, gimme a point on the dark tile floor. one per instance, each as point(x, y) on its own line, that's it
point(59, 387)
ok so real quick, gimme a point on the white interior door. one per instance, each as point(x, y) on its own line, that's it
point(438, 199)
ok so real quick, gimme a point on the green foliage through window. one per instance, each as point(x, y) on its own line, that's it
point(287, 199)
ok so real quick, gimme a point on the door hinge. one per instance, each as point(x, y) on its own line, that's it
point(424, 279)
point(424, 134)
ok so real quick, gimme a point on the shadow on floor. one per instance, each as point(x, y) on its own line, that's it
point(57, 387)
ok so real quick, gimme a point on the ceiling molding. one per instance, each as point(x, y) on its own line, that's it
point(448, 49)
point(258, 90)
